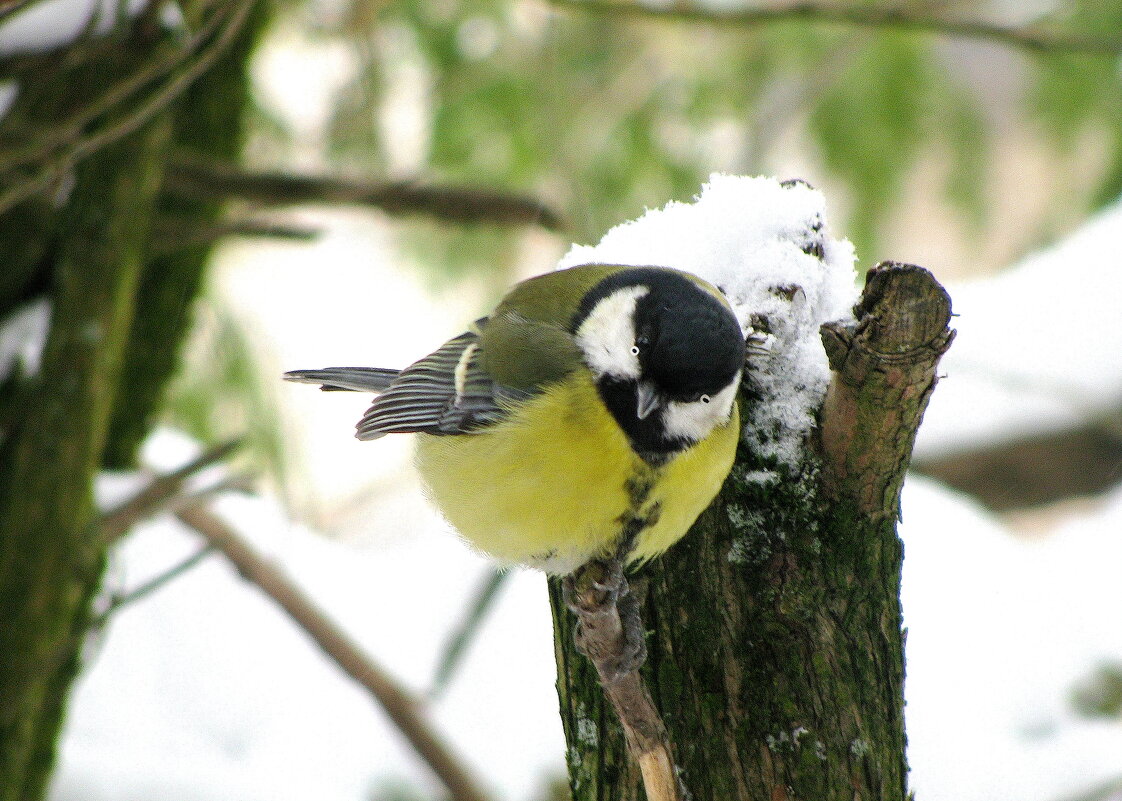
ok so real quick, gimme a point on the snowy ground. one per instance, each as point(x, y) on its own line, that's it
point(205, 691)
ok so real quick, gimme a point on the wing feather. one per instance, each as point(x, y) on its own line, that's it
point(452, 390)
point(355, 379)
point(447, 392)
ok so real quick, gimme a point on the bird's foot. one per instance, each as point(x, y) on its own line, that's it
point(609, 628)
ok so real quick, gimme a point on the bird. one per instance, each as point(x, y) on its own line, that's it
point(592, 414)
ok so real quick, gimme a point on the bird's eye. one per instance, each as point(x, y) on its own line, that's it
point(705, 399)
point(634, 350)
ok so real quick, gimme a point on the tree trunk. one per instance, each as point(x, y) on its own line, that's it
point(775, 643)
point(49, 568)
point(81, 241)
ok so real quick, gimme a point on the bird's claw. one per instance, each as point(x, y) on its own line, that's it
point(612, 593)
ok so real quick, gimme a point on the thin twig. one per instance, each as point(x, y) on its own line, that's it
point(129, 123)
point(170, 235)
point(601, 637)
point(119, 601)
point(192, 178)
point(482, 600)
point(402, 708)
point(158, 494)
point(1029, 38)
point(9, 8)
point(163, 61)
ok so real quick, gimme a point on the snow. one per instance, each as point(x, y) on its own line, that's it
point(1000, 632)
point(50, 24)
point(22, 337)
point(1039, 346)
point(749, 236)
point(9, 91)
point(205, 691)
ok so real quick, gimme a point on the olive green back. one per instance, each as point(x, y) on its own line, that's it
point(526, 343)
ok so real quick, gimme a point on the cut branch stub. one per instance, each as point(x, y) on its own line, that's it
point(884, 372)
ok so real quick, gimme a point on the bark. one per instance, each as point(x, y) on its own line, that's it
point(209, 119)
point(88, 168)
point(775, 641)
point(49, 568)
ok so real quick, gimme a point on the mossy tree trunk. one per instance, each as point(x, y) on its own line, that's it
point(91, 133)
point(776, 649)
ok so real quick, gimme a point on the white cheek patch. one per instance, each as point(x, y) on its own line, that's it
point(694, 420)
point(607, 335)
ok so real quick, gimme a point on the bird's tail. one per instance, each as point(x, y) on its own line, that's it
point(356, 379)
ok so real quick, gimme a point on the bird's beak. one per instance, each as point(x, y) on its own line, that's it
point(649, 399)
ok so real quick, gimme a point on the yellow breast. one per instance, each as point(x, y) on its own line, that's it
point(555, 483)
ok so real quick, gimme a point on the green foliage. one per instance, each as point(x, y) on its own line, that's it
point(872, 121)
point(966, 134)
point(1077, 94)
point(353, 136)
point(603, 113)
point(1099, 695)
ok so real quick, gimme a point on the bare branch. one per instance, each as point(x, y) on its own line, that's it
point(119, 601)
point(1032, 38)
point(404, 710)
point(1035, 470)
point(170, 235)
point(482, 601)
point(9, 8)
point(159, 494)
point(67, 131)
point(56, 166)
point(455, 203)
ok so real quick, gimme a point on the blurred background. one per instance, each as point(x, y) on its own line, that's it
point(353, 181)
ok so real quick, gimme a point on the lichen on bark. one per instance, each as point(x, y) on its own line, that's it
point(774, 628)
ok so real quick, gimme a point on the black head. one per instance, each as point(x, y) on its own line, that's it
point(689, 342)
point(681, 345)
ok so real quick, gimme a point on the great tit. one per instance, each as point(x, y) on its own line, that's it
point(595, 406)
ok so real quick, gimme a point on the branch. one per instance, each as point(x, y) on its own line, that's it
point(9, 8)
point(401, 707)
point(884, 373)
point(68, 130)
point(197, 179)
point(160, 493)
point(1035, 470)
point(602, 637)
point(114, 130)
point(172, 234)
point(121, 600)
point(1033, 39)
point(481, 603)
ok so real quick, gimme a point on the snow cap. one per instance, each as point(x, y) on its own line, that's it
point(764, 244)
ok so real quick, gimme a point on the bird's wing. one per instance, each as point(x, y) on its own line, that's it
point(355, 379)
point(447, 392)
point(463, 387)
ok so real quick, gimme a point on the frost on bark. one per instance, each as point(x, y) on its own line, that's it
point(776, 649)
